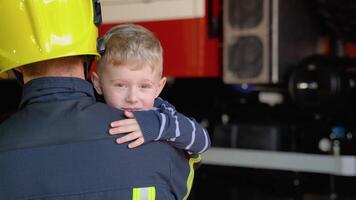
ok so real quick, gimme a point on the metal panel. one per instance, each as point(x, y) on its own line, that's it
point(246, 41)
point(300, 162)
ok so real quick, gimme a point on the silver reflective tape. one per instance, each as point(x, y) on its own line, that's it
point(144, 193)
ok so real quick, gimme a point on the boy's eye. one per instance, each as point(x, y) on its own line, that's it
point(119, 85)
point(146, 86)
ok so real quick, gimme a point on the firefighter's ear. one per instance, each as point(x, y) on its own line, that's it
point(96, 82)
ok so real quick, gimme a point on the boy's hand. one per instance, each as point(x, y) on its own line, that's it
point(129, 126)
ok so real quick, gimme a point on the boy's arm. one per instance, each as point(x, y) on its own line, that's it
point(181, 131)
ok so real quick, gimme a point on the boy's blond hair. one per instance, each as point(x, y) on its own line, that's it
point(134, 45)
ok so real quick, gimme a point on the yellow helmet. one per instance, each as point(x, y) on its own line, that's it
point(37, 30)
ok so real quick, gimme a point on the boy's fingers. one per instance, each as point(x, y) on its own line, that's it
point(122, 122)
point(124, 129)
point(114, 131)
point(137, 142)
point(129, 114)
point(129, 137)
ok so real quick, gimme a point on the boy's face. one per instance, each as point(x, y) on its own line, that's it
point(128, 89)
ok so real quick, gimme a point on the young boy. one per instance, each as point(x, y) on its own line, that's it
point(129, 76)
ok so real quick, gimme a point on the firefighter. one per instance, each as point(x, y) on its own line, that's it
point(56, 146)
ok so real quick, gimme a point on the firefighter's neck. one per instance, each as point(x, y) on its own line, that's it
point(54, 68)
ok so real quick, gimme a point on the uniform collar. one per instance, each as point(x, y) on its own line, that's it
point(55, 88)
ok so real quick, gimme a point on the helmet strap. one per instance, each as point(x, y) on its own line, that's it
point(88, 60)
point(19, 76)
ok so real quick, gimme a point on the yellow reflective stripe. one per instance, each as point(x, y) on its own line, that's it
point(151, 193)
point(145, 193)
point(192, 161)
point(136, 194)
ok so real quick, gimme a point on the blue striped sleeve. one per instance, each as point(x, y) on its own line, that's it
point(165, 123)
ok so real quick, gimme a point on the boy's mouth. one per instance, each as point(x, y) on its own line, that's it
point(131, 109)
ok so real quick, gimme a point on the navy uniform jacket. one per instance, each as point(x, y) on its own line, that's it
point(57, 147)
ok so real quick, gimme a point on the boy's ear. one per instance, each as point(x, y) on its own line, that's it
point(161, 85)
point(96, 82)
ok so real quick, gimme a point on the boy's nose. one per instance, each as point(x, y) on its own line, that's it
point(131, 96)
